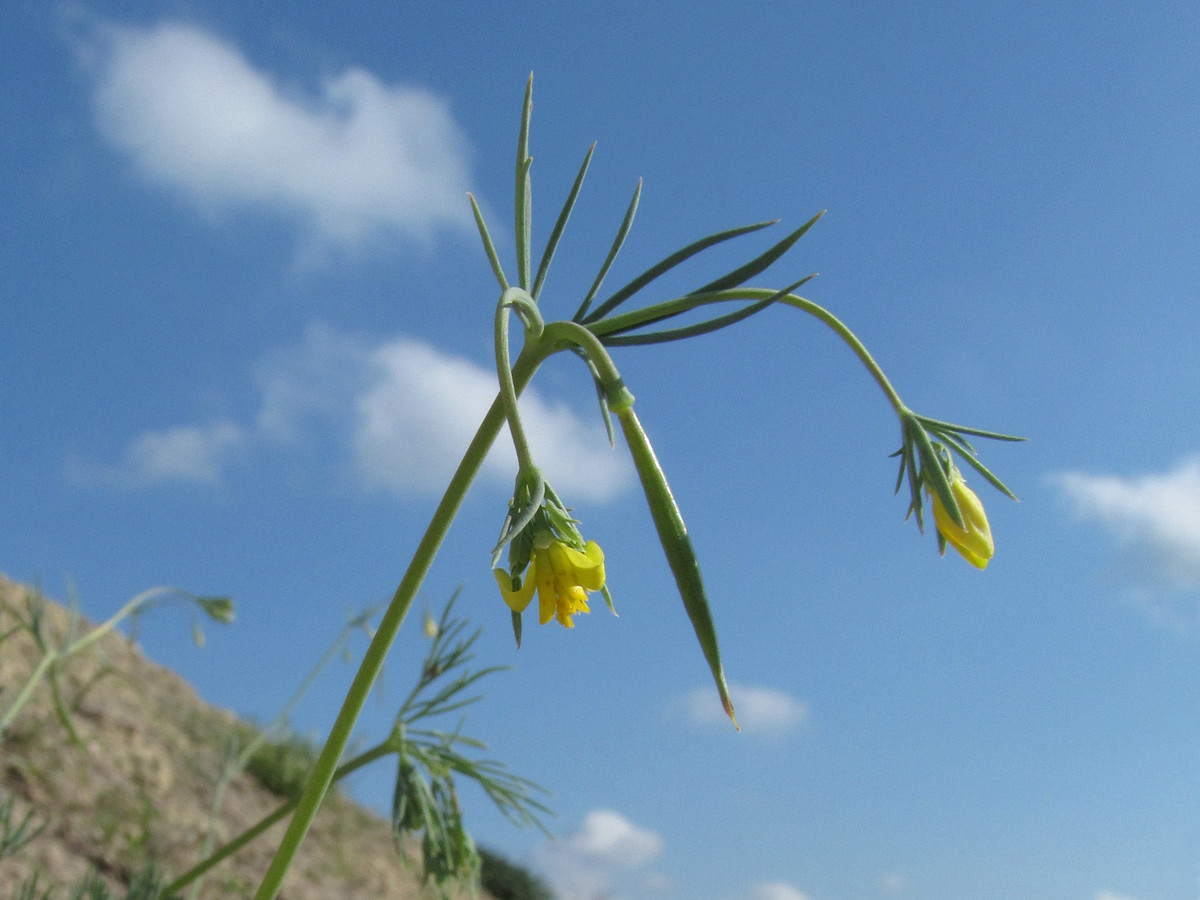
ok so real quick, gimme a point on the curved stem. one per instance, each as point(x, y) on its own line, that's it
point(851, 339)
point(339, 736)
point(560, 334)
point(667, 309)
point(508, 393)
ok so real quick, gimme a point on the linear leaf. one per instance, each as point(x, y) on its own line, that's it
point(556, 234)
point(705, 327)
point(669, 263)
point(761, 262)
point(618, 242)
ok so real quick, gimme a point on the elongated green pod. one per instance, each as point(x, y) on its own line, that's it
point(677, 546)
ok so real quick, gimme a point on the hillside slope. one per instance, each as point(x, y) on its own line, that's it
point(139, 783)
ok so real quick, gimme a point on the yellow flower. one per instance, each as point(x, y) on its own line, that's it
point(974, 541)
point(562, 575)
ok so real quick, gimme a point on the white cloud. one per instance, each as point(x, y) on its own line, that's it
point(351, 158)
point(407, 412)
point(1156, 516)
point(610, 838)
point(396, 415)
point(192, 453)
point(1109, 895)
point(893, 883)
point(776, 890)
point(606, 849)
point(759, 709)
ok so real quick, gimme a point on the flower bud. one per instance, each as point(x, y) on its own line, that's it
point(973, 539)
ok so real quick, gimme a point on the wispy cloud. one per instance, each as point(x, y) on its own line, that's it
point(187, 453)
point(1155, 516)
point(1109, 895)
point(395, 415)
point(605, 849)
point(349, 158)
point(776, 890)
point(759, 709)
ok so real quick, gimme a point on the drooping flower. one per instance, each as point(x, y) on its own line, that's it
point(973, 539)
point(562, 575)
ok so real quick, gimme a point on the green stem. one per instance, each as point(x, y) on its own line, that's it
point(31, 682)
point(227, 850)
point(659, 311)
point(508, 393)
point(234, 767)
point(360, 688)
point(560, 334)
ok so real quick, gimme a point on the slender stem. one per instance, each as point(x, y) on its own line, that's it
point(227, 850)
point(360, 688)
point(670, 308)
point(508, 393)
point(27, 689)
point(235, 766)
point(854, 344)
point(573, 334)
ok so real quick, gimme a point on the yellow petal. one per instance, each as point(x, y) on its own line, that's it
point(519, 598)
point(587, 566)
point(547, 591)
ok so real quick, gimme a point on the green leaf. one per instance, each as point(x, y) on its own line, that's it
point(556, 234)
point(974, 463)
point(673, 535)
point(665, 265)
point(522, 213)
point(618, 242)
point(759, 263)
point(488, 246)
point(932, 472)
point(716, 323)
point(939, 426)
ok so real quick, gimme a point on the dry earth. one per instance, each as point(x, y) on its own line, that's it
point(139, 785)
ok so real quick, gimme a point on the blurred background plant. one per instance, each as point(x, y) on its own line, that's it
point(28, 616)
point(140, 816)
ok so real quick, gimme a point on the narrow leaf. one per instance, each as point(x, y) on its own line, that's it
point(709, 325)
point(521, 202)
point(667, 264)
point(974, 463)
point(934, 475)
point(938, 425)
point(488, 246)
point(556, 234)
point(618, 242)
point(761, 262)
point(677, 546)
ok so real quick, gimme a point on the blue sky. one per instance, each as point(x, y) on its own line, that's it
point(245, 329)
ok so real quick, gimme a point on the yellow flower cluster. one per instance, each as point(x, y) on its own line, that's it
point(562, 575)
